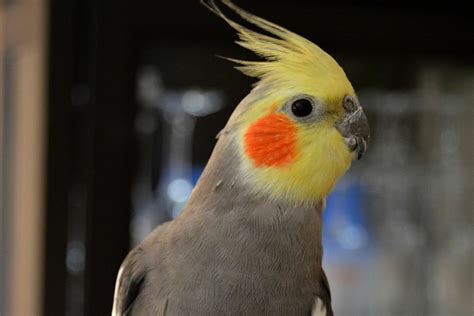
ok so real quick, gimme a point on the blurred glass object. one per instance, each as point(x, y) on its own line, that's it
point(346, 233)
point(166, 122)
point(75, 250)
point(414, 210)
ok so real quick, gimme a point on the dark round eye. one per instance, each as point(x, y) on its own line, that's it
point(302, 107)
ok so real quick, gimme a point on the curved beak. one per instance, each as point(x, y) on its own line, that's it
point(354, 128)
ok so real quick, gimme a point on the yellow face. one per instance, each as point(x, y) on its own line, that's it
point(304, 123)
point(291, 146)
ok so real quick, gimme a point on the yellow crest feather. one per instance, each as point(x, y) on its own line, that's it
point(289, 59)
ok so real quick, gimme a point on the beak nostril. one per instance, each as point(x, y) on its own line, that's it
point(349, 104)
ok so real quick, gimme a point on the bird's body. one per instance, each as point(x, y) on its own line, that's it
point(240, 254)
point(248, 241)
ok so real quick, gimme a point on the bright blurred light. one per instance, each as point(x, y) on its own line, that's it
point(75, 257)
point(179, 190)
point(353, 237)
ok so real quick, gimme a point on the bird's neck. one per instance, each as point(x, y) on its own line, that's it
point(233, 209)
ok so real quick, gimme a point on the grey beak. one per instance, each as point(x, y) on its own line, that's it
point(355, 130)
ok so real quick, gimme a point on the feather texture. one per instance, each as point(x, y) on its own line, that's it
point(289, 59)
point(271, 141)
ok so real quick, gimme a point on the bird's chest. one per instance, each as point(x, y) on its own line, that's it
point(250, 273)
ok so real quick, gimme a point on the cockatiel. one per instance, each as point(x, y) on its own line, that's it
point(248, 241)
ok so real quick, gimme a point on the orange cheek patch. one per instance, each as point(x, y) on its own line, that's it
point(271, 141)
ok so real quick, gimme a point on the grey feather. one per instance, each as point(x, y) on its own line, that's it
point(230, 252)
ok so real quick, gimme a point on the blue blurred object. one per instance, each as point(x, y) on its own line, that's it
point(346, 235)
point(197, 171)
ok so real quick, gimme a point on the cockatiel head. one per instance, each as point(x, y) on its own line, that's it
point(300, 127)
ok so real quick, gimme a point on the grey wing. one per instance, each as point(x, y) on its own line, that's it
point(322, 302)
point(326, 297)
point(129, 282)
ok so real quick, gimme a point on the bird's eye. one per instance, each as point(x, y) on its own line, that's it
point(302, 107)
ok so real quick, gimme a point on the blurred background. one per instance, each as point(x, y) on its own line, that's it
point(109, 111)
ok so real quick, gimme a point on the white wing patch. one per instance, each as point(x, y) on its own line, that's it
point(115, 308)
point(318, 308)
